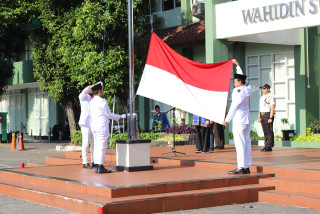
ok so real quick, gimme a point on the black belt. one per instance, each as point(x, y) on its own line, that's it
point(263, 113)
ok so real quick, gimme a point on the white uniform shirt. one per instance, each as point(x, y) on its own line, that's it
point(100, 114)
point(85, 98)
point(239, 109)
point(266, 101)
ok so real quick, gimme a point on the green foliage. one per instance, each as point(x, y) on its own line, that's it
point(284, 121)
point(177, 137)
point(76, 138)
point(315, 126)
point(149, 135)
point(230, 135)
point(308, 137)
point(11, 45)
point(143, 135)
point(158, 125)
point(116, 137)
point(255, 136)
point(67, 39)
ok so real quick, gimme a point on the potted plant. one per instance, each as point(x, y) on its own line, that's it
point(287, 133)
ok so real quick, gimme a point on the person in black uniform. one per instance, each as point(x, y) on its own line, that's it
point(266, 117)
point(218, 131)
point(202, 126)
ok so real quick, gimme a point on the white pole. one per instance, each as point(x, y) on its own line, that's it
point(114, 103)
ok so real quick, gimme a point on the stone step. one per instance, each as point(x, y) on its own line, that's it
point(293, 184)
point(165, 202)
point(128, 190)
point(300, 199)
point(291, 173)
point(187, 200)
point(51, 196)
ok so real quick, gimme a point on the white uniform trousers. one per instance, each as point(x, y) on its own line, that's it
point(100, 145)
point(86, 138)
point(241, 136)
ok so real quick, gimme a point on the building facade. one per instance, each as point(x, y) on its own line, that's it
point(30, 110)
point(269, 40)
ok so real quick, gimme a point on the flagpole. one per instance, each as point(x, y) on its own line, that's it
point(131, 129)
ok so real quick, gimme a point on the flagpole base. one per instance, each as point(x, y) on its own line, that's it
point(133, 155)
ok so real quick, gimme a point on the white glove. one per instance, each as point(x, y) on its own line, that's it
point(123, 116)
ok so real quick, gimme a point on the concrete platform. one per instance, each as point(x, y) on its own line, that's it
point(178, 182)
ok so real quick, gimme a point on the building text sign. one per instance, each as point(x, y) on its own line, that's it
point(245, 17)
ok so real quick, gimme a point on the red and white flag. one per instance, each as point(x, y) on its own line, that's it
point(198, 88)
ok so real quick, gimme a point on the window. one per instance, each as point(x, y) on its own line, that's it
point(41, 106)
point(26, 55)
point(14, 103)
point(170, 4)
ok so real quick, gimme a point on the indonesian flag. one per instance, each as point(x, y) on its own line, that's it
point(198, 88)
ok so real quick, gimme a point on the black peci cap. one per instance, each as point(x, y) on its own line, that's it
point(265, 86)
point(97, 87)
point(240, 77)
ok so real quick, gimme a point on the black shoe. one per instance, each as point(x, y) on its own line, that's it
point(219, 147)
point(87, 166)
point(248, 170)
point(266, 149)
point(211, 149)
point(101, 169)
point(198, 151)
point(94, 166)
point(238, 171)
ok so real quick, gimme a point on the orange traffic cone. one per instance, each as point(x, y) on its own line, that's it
point(13, 142)
point(21, 146)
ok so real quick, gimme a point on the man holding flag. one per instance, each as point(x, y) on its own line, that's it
point(239, 112)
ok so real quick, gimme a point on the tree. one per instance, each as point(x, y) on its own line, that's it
point(68, 49)
point(11, 45)
point(13, 31)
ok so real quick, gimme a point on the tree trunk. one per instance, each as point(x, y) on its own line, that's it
point(71, 118)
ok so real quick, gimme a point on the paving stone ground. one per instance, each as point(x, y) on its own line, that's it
point(37, 152)
point(251, 208)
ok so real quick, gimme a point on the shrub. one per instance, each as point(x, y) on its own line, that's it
point(177, 137)
point(143, 135)
point(255, 136)
point(76, 138)
point(149, 135)
point(315, 126)
point(181, 129)
point(309, 137)
point(114, 138)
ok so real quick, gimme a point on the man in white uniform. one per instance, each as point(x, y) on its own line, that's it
point(85, 97)
point(100, 116)
point(239, 112)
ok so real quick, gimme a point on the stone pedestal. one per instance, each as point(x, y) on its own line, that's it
point(133, 155)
